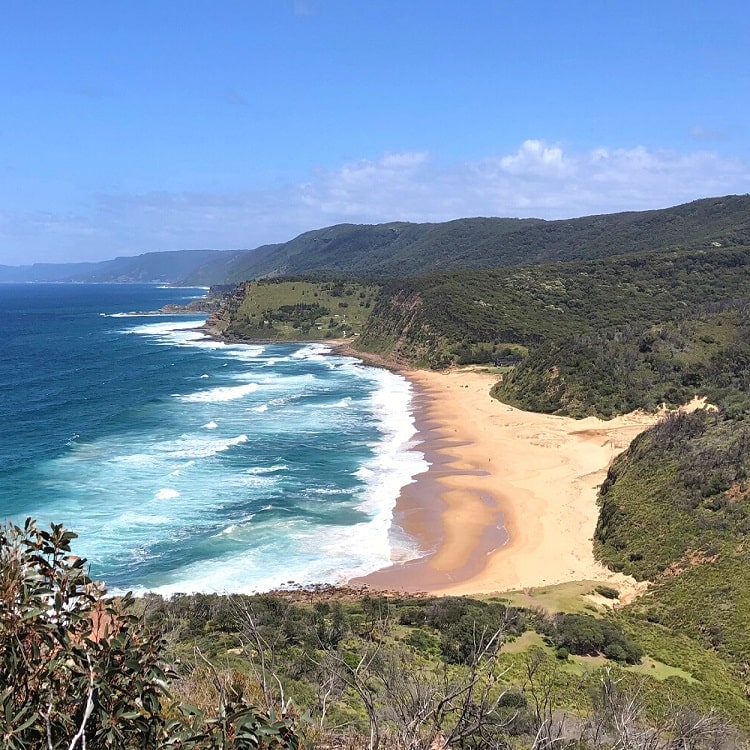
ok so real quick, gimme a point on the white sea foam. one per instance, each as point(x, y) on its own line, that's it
point(187, 447)
point(222, 393)
point(234, 527)
point(131, 518)
point(281, 552)
point(166, 493)
point(167, 469)
point(139, 460)
point(168, 327)
point(177, 333)
point(396, 461)
point(312, 351)
point(329, 491)
point(245, 352)
point(284, 383)
point(294, 556)
point(134, 315)
point(342, 404)
point(266, 469)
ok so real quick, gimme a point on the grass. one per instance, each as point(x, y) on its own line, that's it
point(524, 642)
point(302, 310)
point(649, 667)
point(660, 671)
point(571, 597)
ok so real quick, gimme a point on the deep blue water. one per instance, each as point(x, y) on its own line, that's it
point(185, 464)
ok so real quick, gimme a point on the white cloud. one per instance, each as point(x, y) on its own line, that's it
point(538, 179)
point(534, 157)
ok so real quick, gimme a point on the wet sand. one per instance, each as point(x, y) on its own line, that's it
point(509, 501)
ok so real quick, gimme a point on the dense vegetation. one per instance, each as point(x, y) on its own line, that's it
point(706, 352)
point(675, 508)
point(81, 670)
point(400, 249)
point(321, 668)
point(648, 308)
point(471, 316)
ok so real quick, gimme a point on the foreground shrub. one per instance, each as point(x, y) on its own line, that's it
point(80, 670)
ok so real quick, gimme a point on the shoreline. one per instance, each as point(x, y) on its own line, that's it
point(509, 500)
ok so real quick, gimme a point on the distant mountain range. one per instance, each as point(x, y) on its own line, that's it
point(167, 267)
point(399, 249)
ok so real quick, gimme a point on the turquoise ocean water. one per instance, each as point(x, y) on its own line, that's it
point(185, 464)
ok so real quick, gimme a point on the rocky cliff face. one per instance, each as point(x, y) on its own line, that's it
point(399, 330)
point(220, 321)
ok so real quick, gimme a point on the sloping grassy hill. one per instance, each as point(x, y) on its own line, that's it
point(675, 509)
point(294, 310)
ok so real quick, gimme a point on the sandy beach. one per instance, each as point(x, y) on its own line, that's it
point(510, 499)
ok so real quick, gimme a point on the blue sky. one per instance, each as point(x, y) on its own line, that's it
point(135, 126)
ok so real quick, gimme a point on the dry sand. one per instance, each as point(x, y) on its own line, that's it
point(510, 499)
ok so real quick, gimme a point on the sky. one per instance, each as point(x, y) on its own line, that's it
point(131, 126)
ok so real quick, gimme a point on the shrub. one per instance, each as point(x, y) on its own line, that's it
point(80, 670)
point(607, 592)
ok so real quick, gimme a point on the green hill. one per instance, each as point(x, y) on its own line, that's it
point(475, 316)
point(294, 310)
point(675, 509)
point(704, 351)
point(402, 249)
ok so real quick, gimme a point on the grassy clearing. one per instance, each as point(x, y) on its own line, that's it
point(302, 310)
point(660, 671)
point(581, 665)
point(571, 597)
point(524, 642)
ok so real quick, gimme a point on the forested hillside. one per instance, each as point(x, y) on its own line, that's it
point(402, 249)
point(474, 316)
point(704, 351)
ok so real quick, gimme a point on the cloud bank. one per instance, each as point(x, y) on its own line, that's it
point(539, 179)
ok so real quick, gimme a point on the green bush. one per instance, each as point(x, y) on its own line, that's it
point(607, 592)
point(78, 669)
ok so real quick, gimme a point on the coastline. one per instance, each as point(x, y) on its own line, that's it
point(509, 501)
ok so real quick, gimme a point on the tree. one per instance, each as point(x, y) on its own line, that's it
point(78, 669)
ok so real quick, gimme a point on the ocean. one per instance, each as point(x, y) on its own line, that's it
point(185, 464)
